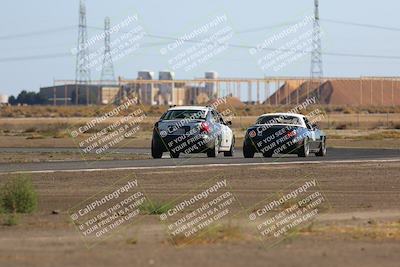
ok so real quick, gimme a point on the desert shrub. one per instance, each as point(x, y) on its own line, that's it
point(31, 130)
point(341, 127)
point(11, 219)
point(18, 196)
point(347, 110)
point(35, 136)
point(155, 207)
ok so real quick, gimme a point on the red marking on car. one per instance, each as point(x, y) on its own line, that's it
point(291, 133)
point(204, 127)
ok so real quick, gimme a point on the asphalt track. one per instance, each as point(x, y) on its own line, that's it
point(335, 155)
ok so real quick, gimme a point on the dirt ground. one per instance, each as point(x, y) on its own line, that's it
point(361, 227)
point(23, 157)
point(338, 139)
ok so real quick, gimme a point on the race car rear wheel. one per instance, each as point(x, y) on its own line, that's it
point(304, 150)
point(174, 155)
point(213, 152)
point(267, 155)
point(248, 151)
point(156, 152)
point(322, 150)
point(231, 150)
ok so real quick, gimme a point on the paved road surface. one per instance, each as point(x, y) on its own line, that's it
point(334, 155)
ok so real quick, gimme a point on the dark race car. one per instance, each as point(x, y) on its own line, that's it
point(284, 133)
point(192, 129)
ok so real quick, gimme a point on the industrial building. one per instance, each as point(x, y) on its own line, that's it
point(165, 91)
point(268, 90)
point(3, 100)
point(80, 94)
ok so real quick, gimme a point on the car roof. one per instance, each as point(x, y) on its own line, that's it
point(190, 108)
point(283, 114)
point(300, 116)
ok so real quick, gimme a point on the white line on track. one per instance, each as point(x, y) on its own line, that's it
point(211, 165)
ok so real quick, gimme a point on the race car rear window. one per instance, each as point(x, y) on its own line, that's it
point(277, 119)
point(185, 114)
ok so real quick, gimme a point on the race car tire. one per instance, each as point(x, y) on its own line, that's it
point(248, 151)
point(231, 150)
point(156, 152)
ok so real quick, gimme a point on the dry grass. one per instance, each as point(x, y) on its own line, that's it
point(383, 135)
point(211, 235)
point(64, 156)
point(57, 127)
point(378, 135)
point(375, 231)
point(132, 241)
point(240, 110)
point(69, 111)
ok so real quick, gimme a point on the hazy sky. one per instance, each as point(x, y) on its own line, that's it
point(36, 37)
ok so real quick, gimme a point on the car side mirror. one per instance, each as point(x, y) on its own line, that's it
point(229, 123)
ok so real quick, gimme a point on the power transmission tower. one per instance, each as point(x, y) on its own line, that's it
point(107, 72)
point(316, 52)
point(82, 70)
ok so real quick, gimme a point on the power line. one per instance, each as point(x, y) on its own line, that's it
point(43, 32)
point(326, 53)
point(171, 38)
point(284, 50)
point(59, 55)
point(250, 30)
point(193, 40)
point(37, 57)
point(362, 25)
point(263, 28)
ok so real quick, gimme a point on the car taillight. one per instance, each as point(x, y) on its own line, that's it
point(204, 127)
point(252, 133)
point(291, 133)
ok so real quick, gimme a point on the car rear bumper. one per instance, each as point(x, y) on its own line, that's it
point(186, 144)
point(289, 146)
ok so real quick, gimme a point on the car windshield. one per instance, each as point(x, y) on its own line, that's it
point(184, 114)
point(278, 119)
